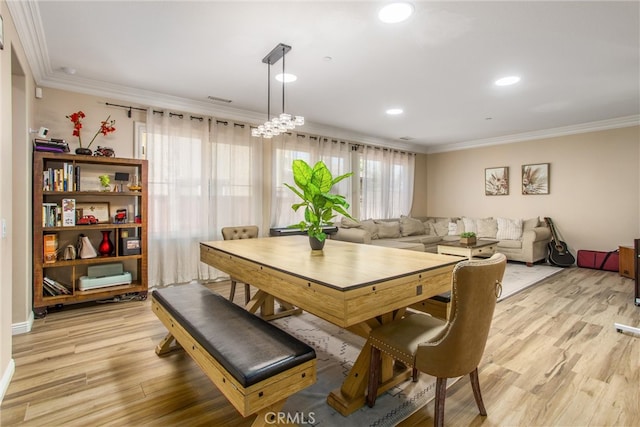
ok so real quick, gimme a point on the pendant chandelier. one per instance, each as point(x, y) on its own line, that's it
point(284, 122)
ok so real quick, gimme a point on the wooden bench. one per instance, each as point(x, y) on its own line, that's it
point(255, 365)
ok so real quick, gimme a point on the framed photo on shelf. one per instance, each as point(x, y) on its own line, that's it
point(496, 181)
point(535, 178)
point(100, 210)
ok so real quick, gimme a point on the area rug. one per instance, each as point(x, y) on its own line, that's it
point(518, 277)
point(337, 349)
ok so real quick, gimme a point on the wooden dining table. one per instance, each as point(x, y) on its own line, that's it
point(354, 286)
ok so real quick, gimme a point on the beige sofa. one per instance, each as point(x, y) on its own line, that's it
point(520, 240)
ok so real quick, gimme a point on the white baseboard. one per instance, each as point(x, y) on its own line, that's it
point(22, 327)
point(6, 378)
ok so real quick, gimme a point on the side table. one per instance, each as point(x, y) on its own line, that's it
point(482, 247)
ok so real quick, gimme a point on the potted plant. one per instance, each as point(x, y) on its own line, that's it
point(468, 238)
point(106, 127)
point(320, 206)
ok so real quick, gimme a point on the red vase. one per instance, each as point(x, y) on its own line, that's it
point(106, 246)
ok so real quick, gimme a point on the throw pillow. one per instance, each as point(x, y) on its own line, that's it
point(370, 226)
point(440, 227)
point(410, 226)
point(509, 229)
point(530, 223)
point(487, 227)
point(453, 229)
point(470, 225)
point(349, 223)
point(388, 230)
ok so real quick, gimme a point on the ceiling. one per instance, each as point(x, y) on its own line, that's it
point(579, 63)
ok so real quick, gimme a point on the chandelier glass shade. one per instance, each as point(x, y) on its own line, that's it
point(284, 122)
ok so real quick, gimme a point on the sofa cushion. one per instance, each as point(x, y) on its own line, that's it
point(430, 239)
point(487, 227)
point(349, 223)
point(411, 226)
point(511, 244)
point(387, 230)
point(399, 245)
point(371, 227)
point(509, 229)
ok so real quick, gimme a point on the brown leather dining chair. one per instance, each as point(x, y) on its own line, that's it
point(241, 232)
point(444, 349)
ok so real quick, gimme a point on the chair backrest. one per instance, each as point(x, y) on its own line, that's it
point(241, 232)
point(475, 289)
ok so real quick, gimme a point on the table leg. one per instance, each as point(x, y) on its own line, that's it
point(351, 395)
point(266, 303)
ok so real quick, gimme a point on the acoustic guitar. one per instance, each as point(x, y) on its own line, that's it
point(559, 255)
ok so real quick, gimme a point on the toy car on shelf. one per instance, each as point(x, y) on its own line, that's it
point(87, 220)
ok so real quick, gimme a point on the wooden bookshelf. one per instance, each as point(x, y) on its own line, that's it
point(85, 190)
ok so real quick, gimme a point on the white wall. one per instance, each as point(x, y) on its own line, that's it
point(15, 80)
point(594, 198)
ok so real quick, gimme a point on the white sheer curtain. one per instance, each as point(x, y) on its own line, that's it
point(237, 181)
point(291, 146)
point(203, 175)
point(387, 183)
point(178, 150)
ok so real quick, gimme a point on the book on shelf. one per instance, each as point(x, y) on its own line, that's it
point(61, 179)
point(54, 287)
point(50, 213)
point(50, 248)
point(68, 212)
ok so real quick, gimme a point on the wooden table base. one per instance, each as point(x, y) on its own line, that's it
point(266, 303)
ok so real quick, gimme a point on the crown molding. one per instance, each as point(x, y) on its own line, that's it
point(620, 122)
point(28, 23)
point(26, 17)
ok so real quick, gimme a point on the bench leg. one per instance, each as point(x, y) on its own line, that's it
point(164, 347)
point(269, 416)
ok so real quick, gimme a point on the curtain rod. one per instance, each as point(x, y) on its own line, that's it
point(355, 145)
point(129, 108)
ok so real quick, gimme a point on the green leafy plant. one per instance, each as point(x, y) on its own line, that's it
point(104, 181)
point(320, 206)
point(468, 234)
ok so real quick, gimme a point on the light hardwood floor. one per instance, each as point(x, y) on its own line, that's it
point(553, 358)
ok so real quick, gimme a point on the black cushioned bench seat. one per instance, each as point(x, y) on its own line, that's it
point(437, 305)
point(249, 348)
point(256, 365)
point(445, 298)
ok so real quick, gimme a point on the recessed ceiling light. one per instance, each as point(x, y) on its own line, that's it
point(286, 78)
point(394, 111)
point(395, 12)
point(506, 81)
point(69, 70)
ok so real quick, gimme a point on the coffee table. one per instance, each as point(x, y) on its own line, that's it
point(481, 247)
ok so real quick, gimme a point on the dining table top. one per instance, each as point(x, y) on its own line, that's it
point(341, 265)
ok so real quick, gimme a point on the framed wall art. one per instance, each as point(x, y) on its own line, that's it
point(496, 181)
point(100, 210)
point(535, 178)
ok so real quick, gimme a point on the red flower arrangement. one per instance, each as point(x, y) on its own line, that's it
point(106, 127)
